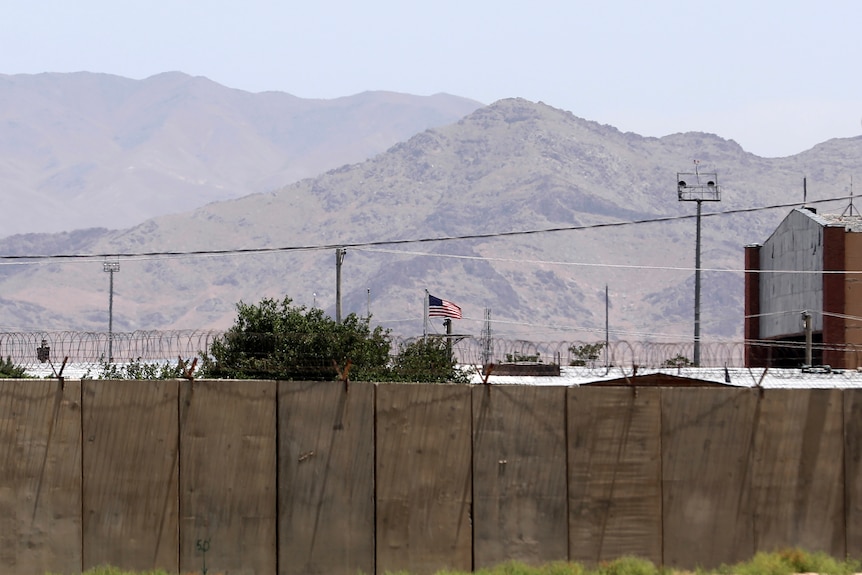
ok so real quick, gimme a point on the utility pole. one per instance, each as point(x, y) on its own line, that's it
point(607, 330)
point(448, 323)
point(339, 259)
point(697, 187)
point(697, 291)
point(110, 268)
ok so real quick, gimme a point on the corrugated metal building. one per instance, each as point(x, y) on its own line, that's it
point(802, 269)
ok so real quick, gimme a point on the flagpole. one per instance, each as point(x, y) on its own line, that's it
point(425, 318)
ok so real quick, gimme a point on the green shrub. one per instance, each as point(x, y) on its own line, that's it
point(426, 360)
point(628, 566)
point(783, 562)
point(585, 353)
point(518, 568)
point(512, 568)
point(9, 370)
point(138, 369)
point(818, 562)
point(277, 340)
point(561, 568)
point(791, 561)
point(108, 570)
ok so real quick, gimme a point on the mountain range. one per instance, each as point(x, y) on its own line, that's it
point(519, 210)
point(95, 150)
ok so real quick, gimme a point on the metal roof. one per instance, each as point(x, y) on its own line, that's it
point(767, 378)
point(815, 378)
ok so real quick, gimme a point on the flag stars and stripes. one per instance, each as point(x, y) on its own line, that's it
point(442, 308)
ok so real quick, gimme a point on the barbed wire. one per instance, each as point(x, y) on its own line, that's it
point(90, 349)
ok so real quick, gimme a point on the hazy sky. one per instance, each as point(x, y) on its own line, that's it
point(777, 76)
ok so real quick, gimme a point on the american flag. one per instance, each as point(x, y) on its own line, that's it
point(441, 308)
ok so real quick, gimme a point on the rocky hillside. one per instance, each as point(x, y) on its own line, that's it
point(94, 150)
point(519, 208)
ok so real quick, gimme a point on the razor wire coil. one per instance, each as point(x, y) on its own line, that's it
point(91, 348)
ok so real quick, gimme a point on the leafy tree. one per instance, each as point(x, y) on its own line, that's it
point(585, 352)
point(9, 370)
point(276, 340)
point(426, 360)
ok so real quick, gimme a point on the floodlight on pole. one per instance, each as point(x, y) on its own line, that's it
point(697, 187)
point(110, 268)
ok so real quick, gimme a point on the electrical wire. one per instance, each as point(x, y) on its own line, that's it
point(376, 247)
point(603, 265)
point(355, 245)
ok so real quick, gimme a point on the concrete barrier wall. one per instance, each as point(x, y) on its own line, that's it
point(423, 475)
point(40, 490)
point(853, 471)
point(228, 481)
point(614, 445)
point(798, 482)
point(271, 477)
point(130, 473)
point(326, 478)
point(519, 475)
point(708, 454)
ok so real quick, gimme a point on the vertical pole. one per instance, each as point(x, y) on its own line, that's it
point(697, 292)
point(607, 330)
point(339, 259)
point(448, 323)
point(111, 267)
point(486, 338)
point(806, 323)
point(111, 315)
point(425, 318)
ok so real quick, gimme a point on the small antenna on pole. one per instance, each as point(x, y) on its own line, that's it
point(848, 211)
point(487, 343)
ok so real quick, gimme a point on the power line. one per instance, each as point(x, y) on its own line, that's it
point(638, 267)
point(358, 245)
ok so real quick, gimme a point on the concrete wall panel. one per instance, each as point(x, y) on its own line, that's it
point(853, 470)
point(798, 471)
point(228, 476)
point(707, 444)
point(130, 474)
point(614, 473)
point(326, 477)
point(40, 490)
point(137, 474)
point(423, 472)
point(519, 475)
